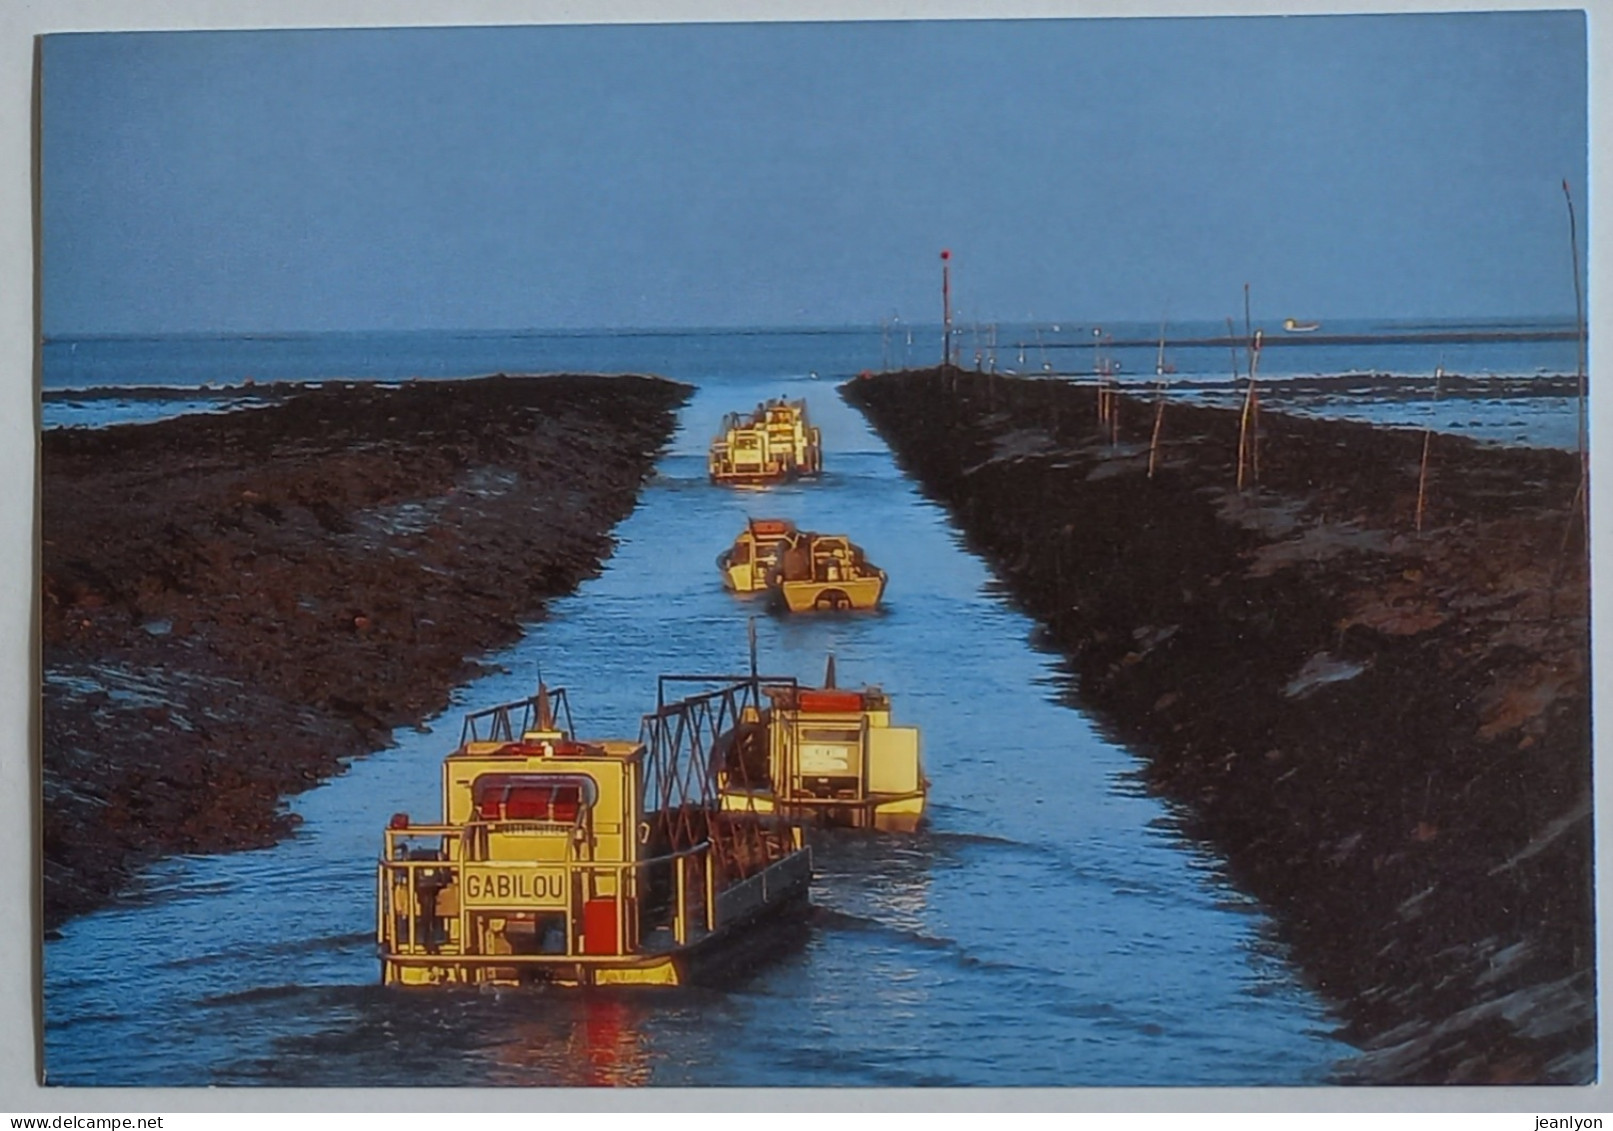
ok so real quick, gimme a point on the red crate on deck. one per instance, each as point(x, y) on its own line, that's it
point(827, 701)
point(599, 927)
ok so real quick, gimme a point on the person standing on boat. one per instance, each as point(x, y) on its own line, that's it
point(797, 563)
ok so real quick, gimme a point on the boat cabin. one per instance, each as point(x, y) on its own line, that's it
point(747, 564)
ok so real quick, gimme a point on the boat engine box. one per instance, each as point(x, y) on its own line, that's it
point(893, 759)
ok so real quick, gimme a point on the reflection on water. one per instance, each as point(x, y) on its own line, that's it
point(1049, 927)
point(594, 1038)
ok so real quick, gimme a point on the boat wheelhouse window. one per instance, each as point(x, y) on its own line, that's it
point(740, 554)
point(556, 798)
point(743, 441)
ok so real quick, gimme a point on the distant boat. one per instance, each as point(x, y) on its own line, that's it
point(1296, 327)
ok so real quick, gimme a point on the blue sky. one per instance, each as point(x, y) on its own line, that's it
point(808, 174)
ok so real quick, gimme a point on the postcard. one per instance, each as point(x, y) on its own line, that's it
point(987, 553)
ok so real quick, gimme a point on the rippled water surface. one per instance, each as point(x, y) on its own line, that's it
point(1050, 927)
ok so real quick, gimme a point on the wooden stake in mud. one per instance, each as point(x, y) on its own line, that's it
point(1232, 348)
point(1247, 441)
point(1097, 375)
point(1159, 422)
point(1114, 410)
point(1254, 404)
point(1108, 395)
point(1579, 319)
point(1243, 434)
point(946, 307)
point(1581, 507)
point(1428, 438)
point(1254, 427)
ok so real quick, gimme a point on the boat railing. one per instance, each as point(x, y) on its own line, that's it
point(508, 721)
point(684, 736)
point(688, 744)
point(734, 692)
point(408, 922)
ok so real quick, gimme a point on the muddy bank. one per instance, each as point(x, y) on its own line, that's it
point(1385, 733)
point(232, 605)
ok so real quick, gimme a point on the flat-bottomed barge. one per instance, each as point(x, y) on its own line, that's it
point(608, 862)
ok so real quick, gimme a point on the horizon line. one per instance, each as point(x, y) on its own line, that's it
point(757, 328)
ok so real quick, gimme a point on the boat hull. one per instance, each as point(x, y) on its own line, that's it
point(778, 892)
point(898, 813)
point(858, 593)
point(743, 579)
point(759, 478)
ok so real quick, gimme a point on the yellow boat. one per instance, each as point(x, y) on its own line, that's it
point(609, 862)
point(774, 444)
point(824, 756)
point(746, 564)
point(824, 571)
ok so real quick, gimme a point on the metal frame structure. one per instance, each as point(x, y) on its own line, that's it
point(684, 786)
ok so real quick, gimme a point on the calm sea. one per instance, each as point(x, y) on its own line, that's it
point(164, 374)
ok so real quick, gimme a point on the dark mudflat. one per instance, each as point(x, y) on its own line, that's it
point(234, 605)
point(1386, 733)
